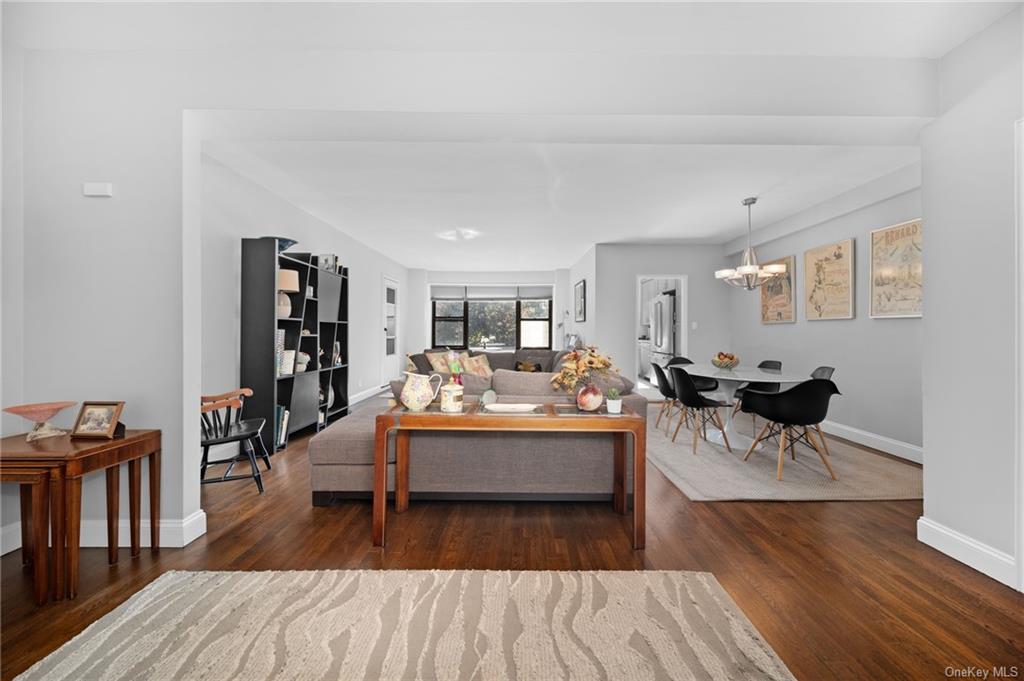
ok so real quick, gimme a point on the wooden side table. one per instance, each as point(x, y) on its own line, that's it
point(66, 461)
point(35, 514)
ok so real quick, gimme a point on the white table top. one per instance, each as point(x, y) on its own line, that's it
point(744, 373)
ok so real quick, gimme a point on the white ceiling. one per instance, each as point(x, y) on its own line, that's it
point(540, 205)
point(866, 29)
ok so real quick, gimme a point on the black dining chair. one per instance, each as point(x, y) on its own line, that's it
point(704, 385)
point(219, 428)
point(703, 409)
point(760, 386)
point(823, 372)
point(803, 406)
point(668, 392)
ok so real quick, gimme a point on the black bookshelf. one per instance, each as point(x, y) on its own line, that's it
point(314, 397)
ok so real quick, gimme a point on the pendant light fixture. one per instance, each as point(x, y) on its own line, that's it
point(749, 275)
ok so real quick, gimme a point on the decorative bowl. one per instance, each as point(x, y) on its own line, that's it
point(725, 363)
point(39, 413)
point(283, 243)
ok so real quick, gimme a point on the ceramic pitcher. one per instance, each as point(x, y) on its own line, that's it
point(419, 391)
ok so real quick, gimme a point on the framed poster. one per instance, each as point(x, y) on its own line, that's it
point(580, 300)
point(896, 269)
point(828, 281)
point(778, 295)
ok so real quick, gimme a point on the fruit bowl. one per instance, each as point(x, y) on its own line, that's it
point(39, 413)
point(725, 360)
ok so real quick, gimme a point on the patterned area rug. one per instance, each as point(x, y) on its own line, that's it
point(716, 475)
point(410, 624)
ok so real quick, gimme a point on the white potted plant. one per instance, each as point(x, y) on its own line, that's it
point(614, 401)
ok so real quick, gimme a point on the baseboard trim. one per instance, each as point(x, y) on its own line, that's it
point(904, 450)
point(173, 533)
point(985, 559)
point(366, 394)
point(10, 537)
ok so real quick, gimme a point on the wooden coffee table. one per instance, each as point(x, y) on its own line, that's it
point(547, 417)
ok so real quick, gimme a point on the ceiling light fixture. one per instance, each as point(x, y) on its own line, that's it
point(749, 275)
point(459, 234)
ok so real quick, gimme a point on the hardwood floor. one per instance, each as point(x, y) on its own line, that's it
point(841, 590)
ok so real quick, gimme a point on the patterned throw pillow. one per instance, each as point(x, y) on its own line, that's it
point(439, 361)
point(478, 365)
point(531, 367)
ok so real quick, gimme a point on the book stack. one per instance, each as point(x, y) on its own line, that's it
point(279, 351)
point(281, 426)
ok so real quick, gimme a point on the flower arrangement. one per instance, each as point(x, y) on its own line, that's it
point(579, 367)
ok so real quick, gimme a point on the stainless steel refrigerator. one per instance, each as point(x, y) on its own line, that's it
point(663, 328)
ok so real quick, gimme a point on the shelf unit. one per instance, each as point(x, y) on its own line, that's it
point(316, 323)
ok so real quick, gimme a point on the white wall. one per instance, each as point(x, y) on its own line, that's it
point(562, 313)
point(584, 269)
point(707, 300)
point(235, 208)
point(878, 361)
point(968, 198)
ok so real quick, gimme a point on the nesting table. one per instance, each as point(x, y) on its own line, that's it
point(544, 418)
point(54, 467)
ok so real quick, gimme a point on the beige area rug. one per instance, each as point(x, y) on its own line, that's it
point(411, 624)
point(716, 475)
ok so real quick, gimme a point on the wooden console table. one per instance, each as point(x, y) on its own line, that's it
point(66, 460)
point(547, 418)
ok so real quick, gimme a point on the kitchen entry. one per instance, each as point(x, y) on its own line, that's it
point(660, 326)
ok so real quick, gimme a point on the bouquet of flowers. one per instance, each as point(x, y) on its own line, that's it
point(579, 367)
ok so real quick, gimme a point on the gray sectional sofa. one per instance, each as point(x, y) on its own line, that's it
point(474, 465)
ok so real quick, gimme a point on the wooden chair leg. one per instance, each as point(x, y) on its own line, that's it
point(721, 427)
point(255, 468)
point(782, 452)
point(696, 429)
point(203, 465)
point(824, 460)
point(682, 419)
point(757, 440)
point(821, 435)
point(263, 452)
point(661, 412)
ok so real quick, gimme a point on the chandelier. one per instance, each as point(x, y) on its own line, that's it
point(749, 275)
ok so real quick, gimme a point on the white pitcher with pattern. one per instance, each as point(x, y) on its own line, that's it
point(419, 392)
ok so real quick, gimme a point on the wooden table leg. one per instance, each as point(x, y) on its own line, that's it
point(154, 501)
point(58, 532)
point(40, 512)
point(639, 488)
point(619, 473)
point(73, 494)
point(134, 501)
point(401, 471)
point(113, 511)
point(26, 523)
point(380, 481)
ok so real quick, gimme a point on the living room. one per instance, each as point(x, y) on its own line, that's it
point(499, 194)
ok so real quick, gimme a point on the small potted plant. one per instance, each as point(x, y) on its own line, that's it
point(614, 401)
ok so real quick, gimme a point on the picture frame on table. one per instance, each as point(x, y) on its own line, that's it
point(98, 420)
point(580, 300)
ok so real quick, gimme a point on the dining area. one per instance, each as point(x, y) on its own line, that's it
point(785, 408)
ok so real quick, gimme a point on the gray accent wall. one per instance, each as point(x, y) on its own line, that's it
point(878, 361)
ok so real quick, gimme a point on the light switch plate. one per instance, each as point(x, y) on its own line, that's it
point(102, 189)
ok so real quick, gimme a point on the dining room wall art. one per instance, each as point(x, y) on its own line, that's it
point(828, 281)
point(897, 284)
point(778, 295)
point(580, 300)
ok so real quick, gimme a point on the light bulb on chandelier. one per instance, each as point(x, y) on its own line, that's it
point(749, 275)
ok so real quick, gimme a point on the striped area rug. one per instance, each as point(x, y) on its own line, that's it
point(410, 624)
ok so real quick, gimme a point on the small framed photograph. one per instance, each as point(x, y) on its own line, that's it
point(97, 419)
point(327, 261)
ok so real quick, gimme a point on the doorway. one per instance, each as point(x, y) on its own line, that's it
point(390, 366)
point(660, 324)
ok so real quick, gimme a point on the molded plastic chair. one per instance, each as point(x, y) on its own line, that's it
point(668, 392)
point(705, 410)
point(218, 428)
point(760, 386)
point(823, 372)
point(803, 406)
point(704, 385)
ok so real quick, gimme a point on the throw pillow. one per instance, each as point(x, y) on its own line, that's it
point(478, 365)
point(439, 361)
point(531, 367)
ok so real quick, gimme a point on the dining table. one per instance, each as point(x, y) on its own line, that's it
point(731, 379)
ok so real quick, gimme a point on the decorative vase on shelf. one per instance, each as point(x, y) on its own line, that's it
point(589, 398)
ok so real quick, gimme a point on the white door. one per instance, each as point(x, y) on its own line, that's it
point(391, 366)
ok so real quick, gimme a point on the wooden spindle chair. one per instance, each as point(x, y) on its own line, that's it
point(219, 428)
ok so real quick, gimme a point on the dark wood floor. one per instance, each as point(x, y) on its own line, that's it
point(839, 589)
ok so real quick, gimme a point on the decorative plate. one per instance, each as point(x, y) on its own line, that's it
point(510, 408)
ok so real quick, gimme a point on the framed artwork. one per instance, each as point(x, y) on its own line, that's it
point(896, 270)
point(580, 300)
point(778, 295)
point(97, 419)
point(327, 261)
point(828, 281)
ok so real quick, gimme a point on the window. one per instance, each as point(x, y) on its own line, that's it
point(534, 322)
point(480, 323)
